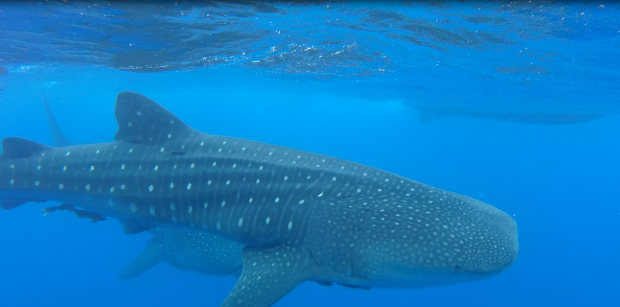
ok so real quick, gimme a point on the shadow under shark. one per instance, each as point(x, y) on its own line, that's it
point(302, 216)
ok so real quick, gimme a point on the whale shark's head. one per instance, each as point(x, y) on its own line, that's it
point(442, 238)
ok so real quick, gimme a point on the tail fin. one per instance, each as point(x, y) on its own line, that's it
point(59, 138)
point(152, 255)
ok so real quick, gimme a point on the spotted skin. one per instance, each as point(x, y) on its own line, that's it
point(303, 216)
point(185, 249)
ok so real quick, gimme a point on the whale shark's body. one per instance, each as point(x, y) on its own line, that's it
point(302, 216)
point(185, 249)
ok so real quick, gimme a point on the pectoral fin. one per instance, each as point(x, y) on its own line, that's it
point(269, 274)
point(152, 255)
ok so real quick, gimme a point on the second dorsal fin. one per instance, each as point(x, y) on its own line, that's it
point(142, 120)
point(14, 148)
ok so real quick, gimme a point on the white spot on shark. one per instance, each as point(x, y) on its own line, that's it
point(192, 165)
point(36, 183)
point(61, 186)
point(240, 222)
point(88, 187)
point(290, 225)
point(267, 220)
point(133, 207)
point(223, 203)
point(156, 167)
point(172, 185)
point(189, 186)
point(12, 181)
point(67, 153)
point(172, 206)
point(123, 166)
point(151, 188)
point(92, 168)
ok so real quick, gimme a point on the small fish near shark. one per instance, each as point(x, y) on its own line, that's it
point(185, 249)
point(95, 217)
point(301, 216)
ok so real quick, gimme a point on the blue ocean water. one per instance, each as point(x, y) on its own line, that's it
point(512, 103)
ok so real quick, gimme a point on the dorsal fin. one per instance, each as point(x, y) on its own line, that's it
point(13, 148)
point(142, 120)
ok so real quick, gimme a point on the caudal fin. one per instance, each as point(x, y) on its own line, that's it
point(59, 138)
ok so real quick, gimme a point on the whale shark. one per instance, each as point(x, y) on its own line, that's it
point(184, 249)
point(301, 216)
